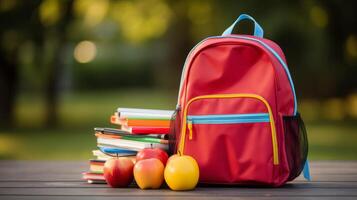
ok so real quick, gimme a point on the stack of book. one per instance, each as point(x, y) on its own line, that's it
point(143, 121)
point(136, 129)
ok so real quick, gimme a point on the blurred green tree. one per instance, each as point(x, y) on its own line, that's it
point(16, 27)
point(57, 15)
point(43, 24)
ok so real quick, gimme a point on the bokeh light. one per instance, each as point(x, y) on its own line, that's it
point(92, 12)
point(50, 12)
point(333, 109)
point(201, 15)
point(85, 51)
point(351, 105)
point(351, 46)
point(319, 16)
point(137, 23)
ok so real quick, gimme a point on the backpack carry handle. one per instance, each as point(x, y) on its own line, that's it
point(258, 30)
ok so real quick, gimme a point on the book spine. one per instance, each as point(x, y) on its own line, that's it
point(154, 130)
point(156, 123)
point(148, 111)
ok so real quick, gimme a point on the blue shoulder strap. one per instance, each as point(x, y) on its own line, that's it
point(306, 171)
point(258, 30)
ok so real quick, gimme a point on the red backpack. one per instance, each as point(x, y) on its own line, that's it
point(237, 111)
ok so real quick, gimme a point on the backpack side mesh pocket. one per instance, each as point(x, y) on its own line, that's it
point(174, 131)
point(296, 144)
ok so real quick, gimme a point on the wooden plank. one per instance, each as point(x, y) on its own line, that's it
point(77, 176)
point(71, 171)
point(50, 184)
point(66, 165)
point(42, 170)
point(334, 163)
point(330, 177)
point(82, 184)
point(202, 192)
point(164, 198)
point(62, 180)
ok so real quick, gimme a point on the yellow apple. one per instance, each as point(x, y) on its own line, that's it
point(181, 172)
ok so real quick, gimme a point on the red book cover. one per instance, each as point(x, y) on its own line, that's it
point(146, 129)
point(93, 176)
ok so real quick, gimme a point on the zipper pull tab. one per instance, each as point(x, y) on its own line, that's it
point(189, 125)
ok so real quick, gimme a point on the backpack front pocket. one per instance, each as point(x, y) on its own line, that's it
point(232, 137)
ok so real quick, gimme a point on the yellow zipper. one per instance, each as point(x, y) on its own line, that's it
point(225, 96)
point(189, 125)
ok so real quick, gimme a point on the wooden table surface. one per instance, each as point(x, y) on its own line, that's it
point(62, 180)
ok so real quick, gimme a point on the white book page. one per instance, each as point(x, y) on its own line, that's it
point(147, 111)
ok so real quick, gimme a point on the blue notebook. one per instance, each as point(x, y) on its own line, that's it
point(116, 150)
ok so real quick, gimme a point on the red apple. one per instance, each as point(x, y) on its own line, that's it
point(152, 153)
point(149, 173)
point(118, 172)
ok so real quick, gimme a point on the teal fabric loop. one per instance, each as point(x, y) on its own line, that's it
point(306, 171)
point(258, 30)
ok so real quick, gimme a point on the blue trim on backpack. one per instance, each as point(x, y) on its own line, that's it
point(258, 30)
point(306, 171)
point(229, 118)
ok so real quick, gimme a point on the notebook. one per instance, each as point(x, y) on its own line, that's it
point(139, 139)
point(114, 119)
point(145, 111)
point(100, 155)
point(117, 151)
point(133, 115)
point(143, 117)
point(145, 122)
point(129, 144)
point(141, 121)
point(146, 130)
point(96, 166)
point(93, 176)
point(113, 131)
